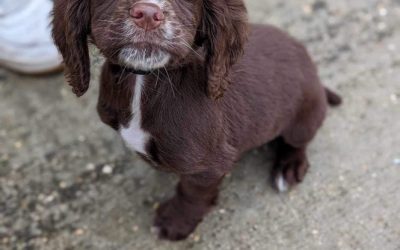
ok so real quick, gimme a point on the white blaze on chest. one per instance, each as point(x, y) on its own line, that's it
point(134, 136)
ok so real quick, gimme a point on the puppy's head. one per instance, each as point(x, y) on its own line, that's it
point(145, 35)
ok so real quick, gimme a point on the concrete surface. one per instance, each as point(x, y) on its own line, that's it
point(66, 181)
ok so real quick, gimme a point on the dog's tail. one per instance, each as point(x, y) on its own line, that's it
point(333, 98)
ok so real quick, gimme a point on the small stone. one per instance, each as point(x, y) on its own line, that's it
point(156, 205)
point(49, 199)
point(196, 238)
point(222, 211)
point(90, 167)
point(307, 9)
point(18, 144)
point(79, 232)
point(394, 98)
point(135, 228)
point(107, 169)
point(382, 11)
point(63, 185)
point(315, 232)
point(396, 161)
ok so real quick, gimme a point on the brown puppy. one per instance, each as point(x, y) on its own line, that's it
point(164, 88)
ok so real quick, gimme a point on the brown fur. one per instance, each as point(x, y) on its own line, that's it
point(199, 127)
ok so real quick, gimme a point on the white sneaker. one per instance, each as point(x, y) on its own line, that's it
point(26, 45)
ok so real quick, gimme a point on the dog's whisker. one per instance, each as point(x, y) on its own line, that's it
point(184, 43)
point(169, 80)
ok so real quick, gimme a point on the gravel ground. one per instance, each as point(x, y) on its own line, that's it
point(67, 182)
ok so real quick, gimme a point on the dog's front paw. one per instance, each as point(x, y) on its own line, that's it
point(175, 220)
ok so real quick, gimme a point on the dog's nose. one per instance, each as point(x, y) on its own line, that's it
point(147, 16)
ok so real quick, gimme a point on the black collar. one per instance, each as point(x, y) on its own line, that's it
point(118, 70)
point(138, 72)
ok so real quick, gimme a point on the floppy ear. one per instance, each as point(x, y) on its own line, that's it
point(225, 30)
point(71, 26)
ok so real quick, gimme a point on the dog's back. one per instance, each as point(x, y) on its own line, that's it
point(274, 84)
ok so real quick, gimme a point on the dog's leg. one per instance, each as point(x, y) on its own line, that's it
point(291, 163)
point(290, 166)
point(196, 194)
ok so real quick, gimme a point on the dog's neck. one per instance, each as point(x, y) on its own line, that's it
point(172, 74)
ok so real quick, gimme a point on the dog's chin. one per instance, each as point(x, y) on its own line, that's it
point(144, 60)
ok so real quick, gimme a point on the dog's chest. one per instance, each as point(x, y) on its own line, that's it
point(133, 135)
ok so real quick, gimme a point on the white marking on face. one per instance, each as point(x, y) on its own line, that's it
point(137, 58)
point(160, 3)
point(134, 136)
point(281, 184)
